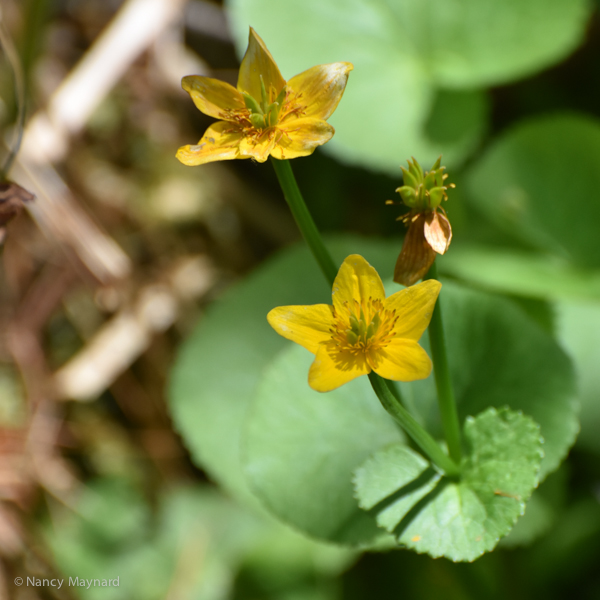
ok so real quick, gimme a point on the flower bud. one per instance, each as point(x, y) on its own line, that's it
point(423, 190)
point(429, 230)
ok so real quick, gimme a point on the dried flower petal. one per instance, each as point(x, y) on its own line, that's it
point(438, 232)
point(416, 256)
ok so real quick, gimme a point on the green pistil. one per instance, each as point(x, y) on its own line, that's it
point(272, 114)
point(351, 337)
point(374, 326)
point(359, 330)
point(264, 102)
point(423, 190)
point(257, 120)
point(251, 104)
point(263, 114)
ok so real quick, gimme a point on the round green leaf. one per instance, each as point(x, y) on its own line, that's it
point(218, 368)
point(457, 43)
point(499, 356)
point(459, 520)
point(403, 52)
point(540, 182)
point(302, 447)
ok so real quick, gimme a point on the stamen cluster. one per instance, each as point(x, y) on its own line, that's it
point(364, 327)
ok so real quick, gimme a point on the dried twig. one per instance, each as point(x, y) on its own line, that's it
point(127, 335)
point(46, 139)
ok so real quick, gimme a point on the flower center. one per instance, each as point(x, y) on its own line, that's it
point(366, 326)
point(264, 114)
point(360, 330)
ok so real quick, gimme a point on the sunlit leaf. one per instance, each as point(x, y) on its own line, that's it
point(459, 520)
point(302, 447)
point(498, 356)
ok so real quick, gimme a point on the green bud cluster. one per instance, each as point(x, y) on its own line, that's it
point(264, 114)
point(423, 190)
point(359, 330)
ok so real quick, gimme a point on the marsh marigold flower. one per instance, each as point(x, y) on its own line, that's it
point(363, 331)
point(265, 116)
point(429, 230)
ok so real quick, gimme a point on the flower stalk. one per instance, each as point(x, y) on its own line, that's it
point(412, 428)
point(445, 392)
point(303, 218)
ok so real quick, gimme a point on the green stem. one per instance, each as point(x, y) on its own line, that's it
point(391, 401)
point(423, 440)
point(303, 218)
point(445, 393)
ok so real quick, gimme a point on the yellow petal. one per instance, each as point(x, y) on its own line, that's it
point(258, 149)
point(333, 368)
point(306, 325)
point(321, 88)
point(218, 143)
point(414, 307)
point(300, 137)
point(211, 96)
point(401, 360)
point(356, 280)
point(256, 62)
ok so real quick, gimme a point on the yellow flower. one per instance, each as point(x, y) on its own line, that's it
point(264, 115)
point(363, 331)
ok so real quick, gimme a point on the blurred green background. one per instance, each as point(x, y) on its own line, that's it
point(128, 260)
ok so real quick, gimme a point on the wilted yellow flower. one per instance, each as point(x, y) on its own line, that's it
point(363, 331)
point(265, 115)
point(429, 231)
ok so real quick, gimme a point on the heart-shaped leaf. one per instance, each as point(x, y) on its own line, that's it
point(302, 447)
point(457, 519)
